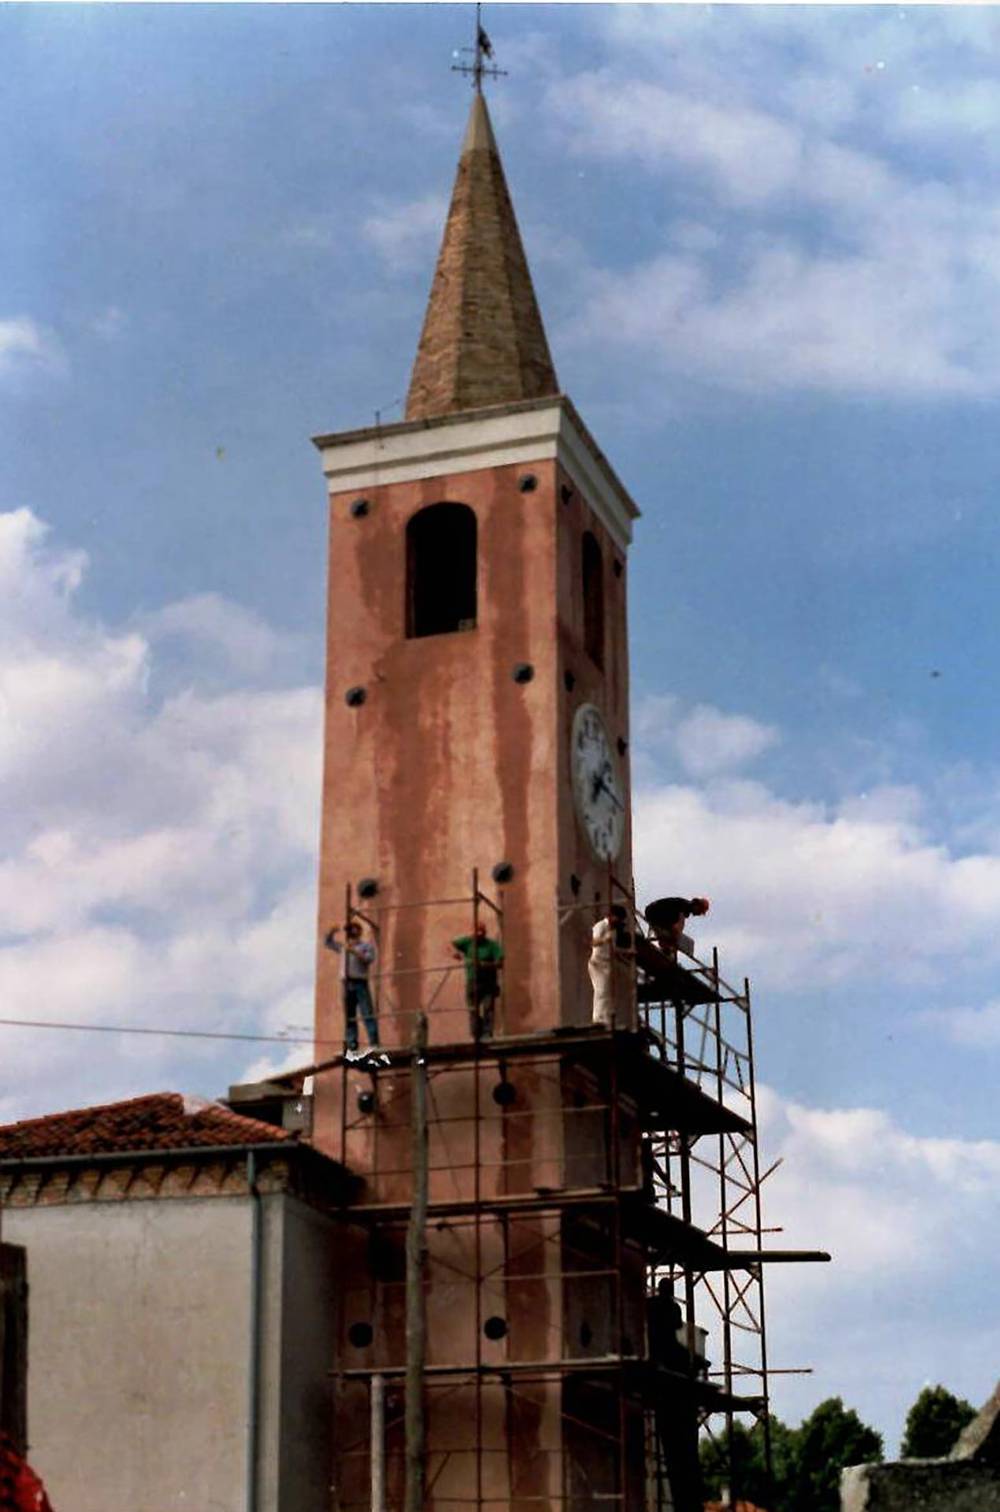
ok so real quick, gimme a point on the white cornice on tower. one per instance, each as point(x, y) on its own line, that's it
point(533, 430)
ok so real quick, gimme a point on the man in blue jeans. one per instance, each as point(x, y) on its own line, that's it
point(357, 958)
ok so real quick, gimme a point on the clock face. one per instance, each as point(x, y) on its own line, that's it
point(597, 787)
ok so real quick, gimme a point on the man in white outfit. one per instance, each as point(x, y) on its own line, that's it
point(601, 965)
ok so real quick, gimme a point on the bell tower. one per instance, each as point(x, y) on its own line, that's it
point(507, 1338)
point(477, 670)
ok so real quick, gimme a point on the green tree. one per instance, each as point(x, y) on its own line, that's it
point(806, 1461)
point(739, 1465)
point(746, 1472)
point(830, 1438)
point(934, 1422)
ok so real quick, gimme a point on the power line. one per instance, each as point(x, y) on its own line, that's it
point(206, 1034)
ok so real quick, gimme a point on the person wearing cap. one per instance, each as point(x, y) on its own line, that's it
point(667, 917)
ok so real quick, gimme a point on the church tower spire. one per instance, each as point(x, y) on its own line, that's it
point(483, 342)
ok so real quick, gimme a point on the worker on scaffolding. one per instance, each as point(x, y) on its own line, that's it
point(483, 959)
point(608, 936)
point(674, 1397)
point(667, 918)
point(357, 956)
point(664, 1320)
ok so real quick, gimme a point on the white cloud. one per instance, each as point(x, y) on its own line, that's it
point(28, 577)
point(26, 345)
point(959, 108)
point(806, 887)
point(405, 233)
point(856, 889)
point(977, 1028)
point(743, 155)
point(824, 99)
point(65, 686)
point(842, 268)
point(856, 1174)
point(749, 154)
point(225, 639)
point(159, 864)
point(704, 740)
point(843, 43)
point(903, 1216)
point(709, 742)
point(878, 319)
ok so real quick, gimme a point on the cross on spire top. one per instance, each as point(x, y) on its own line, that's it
point(481, 67)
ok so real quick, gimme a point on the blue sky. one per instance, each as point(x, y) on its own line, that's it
point(766, 243)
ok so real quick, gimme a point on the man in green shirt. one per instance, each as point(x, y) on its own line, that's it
point(483, 958)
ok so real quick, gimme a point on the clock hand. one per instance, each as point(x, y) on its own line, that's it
point(600, 783)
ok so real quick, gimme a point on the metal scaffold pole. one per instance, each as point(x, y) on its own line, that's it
point(416, 1248)
point(759, 1237)
point(378, 1443)
point(723, 1224)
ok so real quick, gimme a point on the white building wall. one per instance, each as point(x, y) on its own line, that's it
point(310, 1301)
point(138, 1350)
point(139, 1353)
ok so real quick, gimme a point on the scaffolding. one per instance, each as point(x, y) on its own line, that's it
point(702, 1027)
point(568, 1181)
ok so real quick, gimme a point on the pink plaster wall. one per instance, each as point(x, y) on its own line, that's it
point(449, 764)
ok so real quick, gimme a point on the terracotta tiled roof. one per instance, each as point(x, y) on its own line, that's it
point(483, 342)
point(160, 1121)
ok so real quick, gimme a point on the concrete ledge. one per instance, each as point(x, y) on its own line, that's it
point(921, 1486)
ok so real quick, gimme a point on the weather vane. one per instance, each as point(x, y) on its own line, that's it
point(479, 68)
